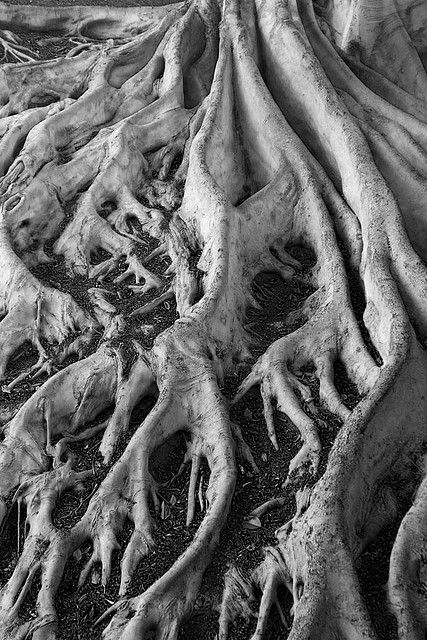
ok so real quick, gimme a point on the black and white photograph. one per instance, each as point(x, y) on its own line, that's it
point(213, 319)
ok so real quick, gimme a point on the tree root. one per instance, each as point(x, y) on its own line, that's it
point(407, 578)
point(33, 312)
point(99, 23)
point(12, 47)
point(183, 132)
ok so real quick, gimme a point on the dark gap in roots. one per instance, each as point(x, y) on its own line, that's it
point(72, 504)
point(56, 275)
point(170, 177)
point(201, 622)
point(63, 156)
point(43, 99)
point(158, 264)
point(99, 255)
point(125, 347)
point(256, 173)
point(172, 536)
point(358, 301)
point(176, 163)
point(83, 137)
point(145, 328)
point(27, 610)
point(278, 299)
point(78, 609)
point(22, 359)
point(372, 571)
point(194, 260)
point(47, 44)
point(373, 564)
point(12, 402)
point(166, 460)
point(422, 339)
point(347, 389)
point(193, 95)
point(305, 255)
point(107, 208)
point(275, 629)
point(9, 540)
point(8, 411)
point(198, 274)
point(327, 424)
point(152, 324)
point(79, 91)
point(150, 243)
point(238, 544)
point(69, 208)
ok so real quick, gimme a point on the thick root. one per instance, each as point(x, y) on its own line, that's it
point(149, 177)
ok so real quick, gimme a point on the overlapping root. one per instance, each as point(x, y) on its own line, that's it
point(99, 23)
point(35, 313)
point(135, 167)
point(97, 148)
point(13, 48)
point(126, 493)
point(330, 333)
point(317, 550)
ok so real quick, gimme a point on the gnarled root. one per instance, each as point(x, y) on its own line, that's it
point(12, 47)
point(407, 583)
point(127, 492)
point(72, 397)
point(198, 145)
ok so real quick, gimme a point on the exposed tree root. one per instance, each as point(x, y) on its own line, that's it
point(12, 47)
point(218, 139)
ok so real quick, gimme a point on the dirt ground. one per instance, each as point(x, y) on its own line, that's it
point(241, 545)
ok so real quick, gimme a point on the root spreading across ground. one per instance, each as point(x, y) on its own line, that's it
point(213, 220)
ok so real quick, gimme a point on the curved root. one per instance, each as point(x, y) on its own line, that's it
point(179, 153)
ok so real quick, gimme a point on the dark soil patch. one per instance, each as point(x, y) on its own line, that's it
point(22, 360)
point(373, 576)
point(239, 545)
point(44, 45)
point(347, 390)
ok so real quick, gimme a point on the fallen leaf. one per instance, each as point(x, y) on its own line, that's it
point(77, 555)
point(252, 523)
point(165, 511)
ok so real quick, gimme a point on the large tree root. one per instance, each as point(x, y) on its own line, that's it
point(178, 138)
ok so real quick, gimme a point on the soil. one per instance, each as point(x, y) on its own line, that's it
point(79, 609)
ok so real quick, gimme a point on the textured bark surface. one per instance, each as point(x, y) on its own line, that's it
point(170, 171)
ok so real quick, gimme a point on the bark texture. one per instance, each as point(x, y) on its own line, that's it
point(216, 137)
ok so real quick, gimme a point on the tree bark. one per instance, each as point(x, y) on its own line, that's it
point(216, 137)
